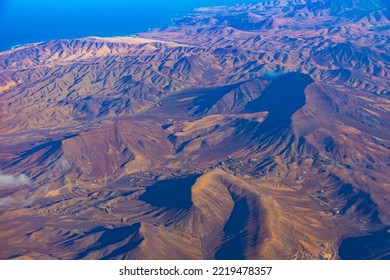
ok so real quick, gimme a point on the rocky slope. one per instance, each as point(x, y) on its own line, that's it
point(254, 131)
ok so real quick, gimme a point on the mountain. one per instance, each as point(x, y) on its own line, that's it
point(245, 132)
point(342, 6)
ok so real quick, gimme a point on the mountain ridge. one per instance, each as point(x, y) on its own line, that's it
point(278, 113)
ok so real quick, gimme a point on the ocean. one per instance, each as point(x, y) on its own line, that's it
point(26, 21)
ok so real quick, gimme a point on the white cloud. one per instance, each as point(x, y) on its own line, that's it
point(6, 201)
point(10, 180)
point(273, 75)
point(64, 163)
point(58, 168)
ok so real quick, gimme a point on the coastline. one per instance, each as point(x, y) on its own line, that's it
point(132, 24)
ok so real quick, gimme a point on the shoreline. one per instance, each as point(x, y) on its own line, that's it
point(160, 24)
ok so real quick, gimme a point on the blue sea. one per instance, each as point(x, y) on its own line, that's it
point(27, 21)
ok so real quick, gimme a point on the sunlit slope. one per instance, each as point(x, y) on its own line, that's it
point(251, 132)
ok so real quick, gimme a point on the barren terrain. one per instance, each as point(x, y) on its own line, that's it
point(246, 132)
